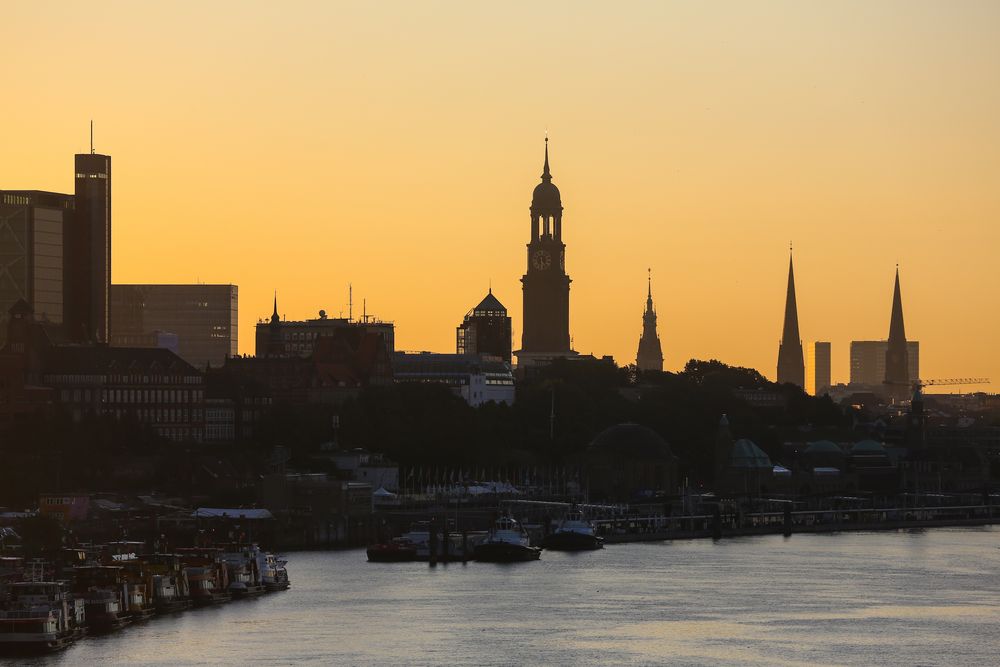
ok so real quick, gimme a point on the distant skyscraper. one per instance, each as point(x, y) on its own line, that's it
point(897, 375)
point(32, 224)
point(650, 355)
point(485, 330)
point(868, 359)
point(821, 367)
point(203, 317)
point(88, 251)
point(546, 285)
point(791, 366)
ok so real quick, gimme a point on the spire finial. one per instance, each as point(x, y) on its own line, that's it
point(649, 281)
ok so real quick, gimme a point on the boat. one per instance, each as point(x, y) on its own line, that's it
point(574, 533)
point(167, 582)
point(244, 564)
point(507, 543)
point(274, 575)
point(399, 550)
point(104, 590)
point(40, 617)
point(206, 575)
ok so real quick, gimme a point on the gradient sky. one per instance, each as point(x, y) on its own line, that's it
point(301, 146)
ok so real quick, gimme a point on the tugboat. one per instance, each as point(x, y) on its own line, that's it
point(39, 617)
point(507, 543)
point(399, 550)
point(575, 533)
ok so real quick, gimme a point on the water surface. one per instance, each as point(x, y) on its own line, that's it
point(906, 598)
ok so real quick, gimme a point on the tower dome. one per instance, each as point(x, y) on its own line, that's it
point(545, 196)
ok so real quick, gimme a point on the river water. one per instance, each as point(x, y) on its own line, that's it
point(906, 598)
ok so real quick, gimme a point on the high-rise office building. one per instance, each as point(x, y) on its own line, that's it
point(485, 330)
point(204, 319)
point(649, 357)
point(88, 251)
point(868, 361)
point(821, 367)
point(32, 224)
point(545, 285)
point(791, 365)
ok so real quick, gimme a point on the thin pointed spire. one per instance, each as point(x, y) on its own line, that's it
point(274, 315)
point(791, 362)
point(649, 286)
point(546, 174)
point(897, 330)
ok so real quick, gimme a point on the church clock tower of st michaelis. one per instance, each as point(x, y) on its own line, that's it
point(545, 334)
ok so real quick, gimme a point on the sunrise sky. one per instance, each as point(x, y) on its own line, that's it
point(301, 146)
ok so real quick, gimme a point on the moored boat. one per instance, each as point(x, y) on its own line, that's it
point(399, 550)
point(507, 543)
point(574, 533)
point(39, 617)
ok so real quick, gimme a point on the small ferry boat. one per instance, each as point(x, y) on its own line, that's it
point(399, 550)
point(574, 533)
point(206, 575)
point(167, 581)
point(244, 563)
point(507, 543)
point(274, 575)
point(40, 616)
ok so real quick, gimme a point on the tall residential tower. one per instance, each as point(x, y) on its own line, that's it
point(88, 251)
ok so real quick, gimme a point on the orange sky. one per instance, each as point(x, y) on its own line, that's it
point(301, 146)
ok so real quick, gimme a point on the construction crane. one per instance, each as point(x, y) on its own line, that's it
point(920, 384)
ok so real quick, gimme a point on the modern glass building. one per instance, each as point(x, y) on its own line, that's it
point(32, 225)
point(204, 319)
point(868, 361)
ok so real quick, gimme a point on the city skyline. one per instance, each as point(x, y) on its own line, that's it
point(305, 196)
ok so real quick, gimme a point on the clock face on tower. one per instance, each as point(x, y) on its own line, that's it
point(541, 259)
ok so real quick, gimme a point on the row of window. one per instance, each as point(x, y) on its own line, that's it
point(162, 415)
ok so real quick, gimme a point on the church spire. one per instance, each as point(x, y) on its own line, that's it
point(546, 175)
point(791, 365)
point(650, 354)
point(897, 354)
point(274, 316)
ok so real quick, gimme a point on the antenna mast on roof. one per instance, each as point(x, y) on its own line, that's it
point(350, 303)
point(91, 137)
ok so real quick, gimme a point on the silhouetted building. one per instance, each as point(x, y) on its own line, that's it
point(154, 386)
point(868, 359)
point(477, 379)
point(545, 285)
point(88, 251)
point(650, 355)
point(32, 225)
point(204, 319)
point(485, 330)
point(821, 367)
point(278, 337)
point(897, 370)
point(791, 366)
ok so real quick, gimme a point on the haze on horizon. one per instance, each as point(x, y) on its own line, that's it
point(395, 146)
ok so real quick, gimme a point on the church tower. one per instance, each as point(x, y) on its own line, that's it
point(791, 367)
point(650, 355)
point(897, 361)
point(545, 333)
